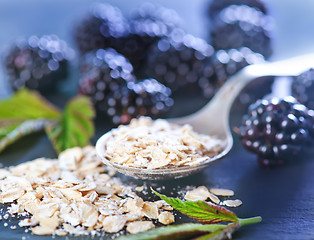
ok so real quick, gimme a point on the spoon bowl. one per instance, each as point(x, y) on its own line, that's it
point(213, 118)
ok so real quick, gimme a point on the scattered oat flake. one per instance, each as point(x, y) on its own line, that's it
point(74, 194)
point(113, 224)
point(166, 218)
point(139, 189)
point(232, 203)
point(150, 210)
point(200, 193)
point(139, 226)
point(214, 198)
point(222, 192)
point(43, 230)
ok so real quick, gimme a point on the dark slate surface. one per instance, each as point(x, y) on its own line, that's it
point(283, 196)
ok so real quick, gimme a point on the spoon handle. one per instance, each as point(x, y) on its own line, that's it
point(213, 118)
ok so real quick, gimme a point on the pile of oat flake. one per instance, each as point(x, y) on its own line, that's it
point(159, 144)
point(76, 194)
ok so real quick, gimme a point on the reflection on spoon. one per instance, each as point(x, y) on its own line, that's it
point(213, 118)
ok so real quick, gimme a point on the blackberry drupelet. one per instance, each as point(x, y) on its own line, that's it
point(277, 130)
point(242, 26)
point(38, 63)
point(180, 63)
point(148, 24)
point(303, 88)
point(215, 6)
point(103, 26)
point(102, 72)
point(147, 97)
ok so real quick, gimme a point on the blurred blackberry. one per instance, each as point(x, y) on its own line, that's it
point(227, 62)
point(277, 130)
point(38, 63)
point(103, 26)
point(215, 6)
point(180, 64)
point(254, 90)
point(148, 97)
point(103, 72)
point(303, 88)
point(148, 24)
point(151, 20)
point(242, 26)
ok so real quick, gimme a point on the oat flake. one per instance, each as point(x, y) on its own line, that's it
point(158, 144)
point(75, 194)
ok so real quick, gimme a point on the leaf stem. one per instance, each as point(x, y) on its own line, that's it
point(248, 221)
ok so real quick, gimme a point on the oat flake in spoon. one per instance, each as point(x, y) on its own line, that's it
point(158, 144)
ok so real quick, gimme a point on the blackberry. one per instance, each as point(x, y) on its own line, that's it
point(102, 72)
point(153, 20)
point(180, 63)
point(242, 26)
point(108, 78)
point(277, 130)
point(303, 88)
point(215, 6)
point(148, 24)
point(190, 66)
point(103, 26)
point(38, 63)
point(227, 62)
point(147, 97)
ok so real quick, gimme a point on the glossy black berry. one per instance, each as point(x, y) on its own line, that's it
point(215, 6)
point(147, 25)
point(107, 78)
point(242, 26)
point(228, 62)
point(101, 28)
point(147, 97)
point(182, 64)
point(277, 130)
point(303, 88)
point(38, 63)
point(102, 72)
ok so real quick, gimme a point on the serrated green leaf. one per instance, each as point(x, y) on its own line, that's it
point(26, 105)
point(175, 232)
point(24, 113)
point(75, 127)
point(200, 211)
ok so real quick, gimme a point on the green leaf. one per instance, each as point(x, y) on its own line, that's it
point(75, 127)
point(24, 113)
point(26, 105)
point(175, 232)
point(201, 211)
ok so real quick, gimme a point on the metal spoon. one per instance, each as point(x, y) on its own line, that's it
point(213, 118)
